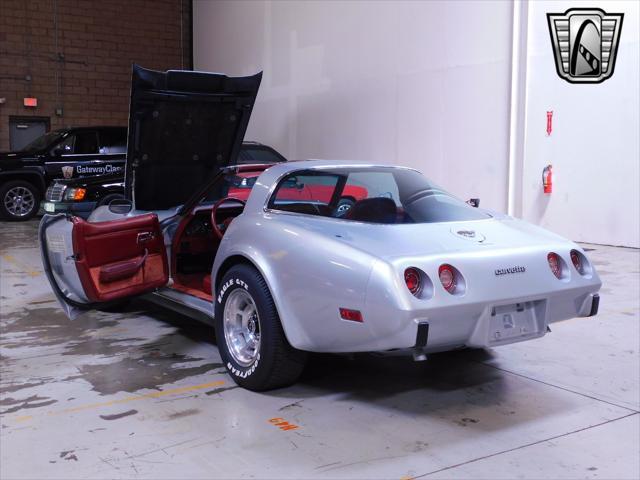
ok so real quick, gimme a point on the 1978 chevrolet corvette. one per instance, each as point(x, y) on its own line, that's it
point(288, 269)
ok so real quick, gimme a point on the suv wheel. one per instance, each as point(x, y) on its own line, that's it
point(19, 200)
point(249, 335)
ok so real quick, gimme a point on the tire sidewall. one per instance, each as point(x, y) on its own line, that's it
point(246, 278)
point(4, 189)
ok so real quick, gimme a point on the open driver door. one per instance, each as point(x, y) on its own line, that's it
point(184, 126)
point(90, 265)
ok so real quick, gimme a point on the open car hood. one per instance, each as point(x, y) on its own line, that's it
point(183, 127)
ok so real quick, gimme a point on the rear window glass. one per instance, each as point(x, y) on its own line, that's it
point(376, 195)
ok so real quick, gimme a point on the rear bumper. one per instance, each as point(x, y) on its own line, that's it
point(595, 304)
point(478, 326)
point(491, 323)
point(495, 323)
point(80, 209)
point(489, 330)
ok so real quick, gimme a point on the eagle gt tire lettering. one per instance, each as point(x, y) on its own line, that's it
point(250, 338)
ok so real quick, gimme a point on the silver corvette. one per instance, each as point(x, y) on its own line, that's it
point(309, 256)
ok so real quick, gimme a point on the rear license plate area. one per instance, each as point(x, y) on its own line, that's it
point(516, 321)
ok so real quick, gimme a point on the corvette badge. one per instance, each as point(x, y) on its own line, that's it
point(507, 271)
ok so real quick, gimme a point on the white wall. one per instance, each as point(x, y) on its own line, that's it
point(594, 147)
point(424, 84)
point(428, 84)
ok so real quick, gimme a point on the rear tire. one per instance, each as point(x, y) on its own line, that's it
point(249, 334)
point(19, 200)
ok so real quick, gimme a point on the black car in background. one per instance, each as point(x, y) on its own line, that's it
point(80, 196)
point(66, 153)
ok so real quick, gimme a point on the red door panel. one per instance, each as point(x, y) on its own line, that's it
point(119, 258)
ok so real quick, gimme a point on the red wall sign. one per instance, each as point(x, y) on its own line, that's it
point(549, 122)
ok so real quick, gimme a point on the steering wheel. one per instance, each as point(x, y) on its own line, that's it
point(219, 229)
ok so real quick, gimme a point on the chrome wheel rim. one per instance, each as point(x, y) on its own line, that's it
point(19, 201)
point(345, 207)
point(242, 327)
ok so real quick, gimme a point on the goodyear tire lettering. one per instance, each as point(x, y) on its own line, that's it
point(244, 373)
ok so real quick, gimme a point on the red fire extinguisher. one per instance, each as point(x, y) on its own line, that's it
point(547, 179)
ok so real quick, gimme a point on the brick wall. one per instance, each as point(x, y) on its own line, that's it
point(76, 56)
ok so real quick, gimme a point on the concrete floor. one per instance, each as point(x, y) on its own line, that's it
point(142, 394)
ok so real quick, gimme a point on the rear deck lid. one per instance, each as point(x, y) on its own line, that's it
point(183, 127)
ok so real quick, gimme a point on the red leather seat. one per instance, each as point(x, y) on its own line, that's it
point(206, 284)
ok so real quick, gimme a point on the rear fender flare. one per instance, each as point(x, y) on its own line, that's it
point(250, 256)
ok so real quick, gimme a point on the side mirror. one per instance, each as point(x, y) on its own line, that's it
point(56, 152)
point(120, 206)
point(474, 202)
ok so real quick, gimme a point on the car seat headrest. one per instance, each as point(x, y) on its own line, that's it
point(375, 210)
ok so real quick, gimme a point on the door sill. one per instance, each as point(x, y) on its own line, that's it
point(183, 303)
point(194, 292)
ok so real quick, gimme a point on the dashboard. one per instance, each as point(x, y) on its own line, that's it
point(200, 226)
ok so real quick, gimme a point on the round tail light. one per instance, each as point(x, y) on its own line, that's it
point(412, 279)
point(577, 261)
point(447, 278)
point(555, 264)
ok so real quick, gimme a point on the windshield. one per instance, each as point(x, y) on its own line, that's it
point(43, 141)
point(365, 194)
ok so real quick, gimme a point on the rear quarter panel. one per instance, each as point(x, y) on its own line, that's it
point(310, 275)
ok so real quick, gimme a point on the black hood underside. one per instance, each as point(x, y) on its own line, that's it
point(183, 127)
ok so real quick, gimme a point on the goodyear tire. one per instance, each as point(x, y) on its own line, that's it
point(249, 334)
point(19, 200)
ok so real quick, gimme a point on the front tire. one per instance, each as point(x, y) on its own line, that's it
point(250, 337)
point(19, 200)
